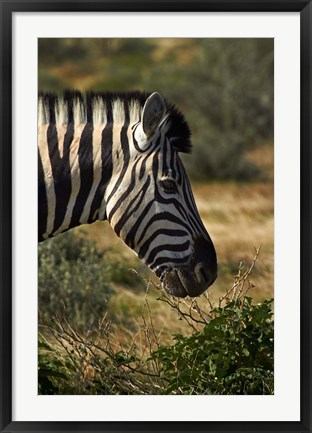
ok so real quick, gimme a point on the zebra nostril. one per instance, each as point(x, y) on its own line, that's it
point(202, 274)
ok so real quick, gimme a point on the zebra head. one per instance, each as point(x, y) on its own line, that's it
point(149, 201)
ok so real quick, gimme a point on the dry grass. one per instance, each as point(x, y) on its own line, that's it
point(240, 218)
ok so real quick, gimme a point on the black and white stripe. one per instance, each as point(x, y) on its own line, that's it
point(116, 157)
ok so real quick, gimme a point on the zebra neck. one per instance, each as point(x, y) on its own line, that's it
point(75, 166)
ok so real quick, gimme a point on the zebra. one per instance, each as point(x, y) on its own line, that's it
point(115, 157)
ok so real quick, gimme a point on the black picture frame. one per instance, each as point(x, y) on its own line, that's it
point(7, 10)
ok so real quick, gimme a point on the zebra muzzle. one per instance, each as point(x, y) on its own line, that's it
point(186, 282)
point(196, 276)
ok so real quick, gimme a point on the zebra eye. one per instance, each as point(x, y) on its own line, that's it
point(169, 185)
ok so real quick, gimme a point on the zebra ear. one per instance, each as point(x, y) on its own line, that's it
point(153, 112)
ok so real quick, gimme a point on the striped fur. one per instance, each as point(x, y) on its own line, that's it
point(115, 156)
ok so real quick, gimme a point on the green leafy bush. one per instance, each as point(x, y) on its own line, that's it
point(233, 354)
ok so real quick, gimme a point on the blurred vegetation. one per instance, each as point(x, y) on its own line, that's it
point(223, 86)
point(228, 350)
point(76, 280)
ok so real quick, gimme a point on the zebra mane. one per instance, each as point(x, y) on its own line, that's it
point(99, 107)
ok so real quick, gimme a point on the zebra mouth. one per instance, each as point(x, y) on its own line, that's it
point(172, 283)
point(184, 281)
